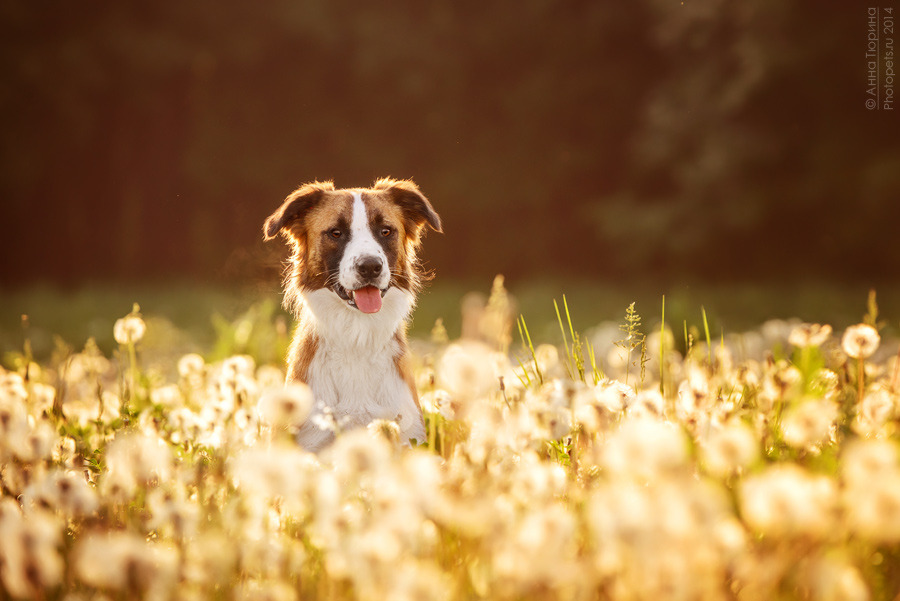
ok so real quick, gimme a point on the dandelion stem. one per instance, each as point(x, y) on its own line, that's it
point(895, 378)
point(132, 358)
point(662, 349)
point(860, 378)
point(432, 433)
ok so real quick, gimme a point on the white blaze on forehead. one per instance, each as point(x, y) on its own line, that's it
point(362, 244)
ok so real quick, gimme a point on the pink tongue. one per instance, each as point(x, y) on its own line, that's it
point(368, 299)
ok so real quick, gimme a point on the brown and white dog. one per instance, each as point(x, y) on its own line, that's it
point(352, 283)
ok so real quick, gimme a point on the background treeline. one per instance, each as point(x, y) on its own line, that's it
point(712, 139)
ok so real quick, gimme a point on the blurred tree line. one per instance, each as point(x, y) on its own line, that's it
point(708, 138)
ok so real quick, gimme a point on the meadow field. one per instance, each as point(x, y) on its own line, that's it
point(580, 446)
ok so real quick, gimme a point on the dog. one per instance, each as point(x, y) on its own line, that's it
point(351, 282)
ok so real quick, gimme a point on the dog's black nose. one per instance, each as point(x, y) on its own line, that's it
point(369, 268)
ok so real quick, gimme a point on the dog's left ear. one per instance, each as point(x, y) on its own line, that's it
point(295, 206)
point(415, 207)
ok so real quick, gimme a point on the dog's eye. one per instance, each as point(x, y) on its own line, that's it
point(335, 233)
point(386, 231)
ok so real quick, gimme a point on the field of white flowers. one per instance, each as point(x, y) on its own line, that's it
point(761, 465)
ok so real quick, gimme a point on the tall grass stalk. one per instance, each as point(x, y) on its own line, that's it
point(708, 339)
point(633, 340)
point(575, 353)
point(562, 329)
point(526, 342)
point(595, 371)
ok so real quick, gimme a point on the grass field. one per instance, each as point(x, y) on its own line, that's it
point(186, 312)
point(588, 450)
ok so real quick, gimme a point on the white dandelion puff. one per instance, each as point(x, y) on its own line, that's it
point(860, 341)
point(129, 329)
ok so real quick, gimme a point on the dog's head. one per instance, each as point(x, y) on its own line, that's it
point(356, 242)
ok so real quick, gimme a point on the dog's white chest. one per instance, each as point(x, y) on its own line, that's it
point(354, 374)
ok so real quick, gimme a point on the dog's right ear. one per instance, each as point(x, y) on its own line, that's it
point(297, 204)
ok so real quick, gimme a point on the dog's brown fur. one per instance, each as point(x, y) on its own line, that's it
point(315, 207)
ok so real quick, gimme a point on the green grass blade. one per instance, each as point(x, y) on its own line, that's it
point(523, 327)
point(708, 341)
point(525, 379)
point(562, 330)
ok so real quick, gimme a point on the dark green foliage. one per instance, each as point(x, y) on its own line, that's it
point(145, 139)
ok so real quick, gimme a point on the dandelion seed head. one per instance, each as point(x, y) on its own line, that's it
point(868, 461)
point(694, 400)
point(246, 390)
point(723, 358)
point(784, 381)
point(825, 382)
point(876, 408)
point(65, 492)
point(357, 452)
point(468, 371)
point(809, 423)
point(168, 396)
point(269, 376)
point(12, 389)
point(748, 374)
point(63, 450)
point(588, 413)
point(547, 357)
point(213, 558)
point(534, 554)
point(233, 373)
point(730, 537)
point(614, 396)
point(266, 590)
point(777, 331)
point(191, 365)
point(324, 420)
point(42, 397)
point(809, 335)
point(785, 500)
point(835, 579)
point(860, 341)
point(29, 550)
point(135, 459)
point(286, 406)
point(31, 442)
point(438, 401)
point(386, 429)
point(729, 449)
point(872, 510)
point(416, 580)
point(267, 473)
point(549, 407)
point(535, 481)
point(171, 513)
point(129, 329)
point(644, 448)
point(648, 403)
point(122, 561)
